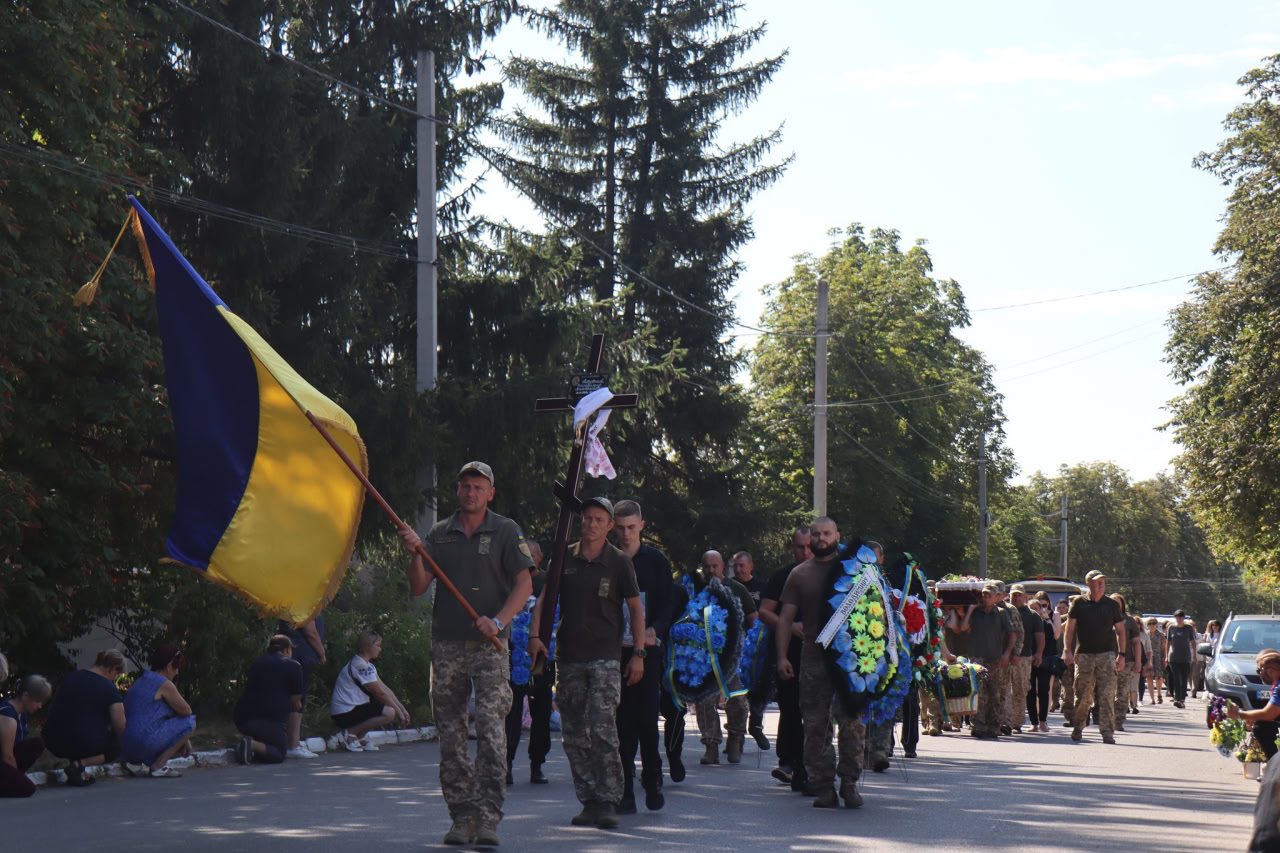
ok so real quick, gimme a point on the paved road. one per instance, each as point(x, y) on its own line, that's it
point(1161, 788)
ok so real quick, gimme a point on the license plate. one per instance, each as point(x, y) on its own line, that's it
point(1264, 693)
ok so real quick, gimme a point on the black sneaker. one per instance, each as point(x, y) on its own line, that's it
point(628, 804)
point(781, 774)
point(511, 780)
point(761, 740)
point(535, 775)
point(653, 799)
point(677, 767)
point(1006, 731)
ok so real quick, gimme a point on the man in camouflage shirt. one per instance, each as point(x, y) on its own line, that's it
point(596, 581)
point(486, 557)
point(1012, 701)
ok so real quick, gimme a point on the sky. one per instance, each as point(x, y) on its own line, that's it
point(1042, 150)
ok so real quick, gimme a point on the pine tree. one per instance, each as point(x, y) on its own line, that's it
point(623, 150)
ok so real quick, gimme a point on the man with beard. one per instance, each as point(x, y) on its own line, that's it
point(790, 740)
point(804, 593)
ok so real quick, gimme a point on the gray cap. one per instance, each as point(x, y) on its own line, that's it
point(477, 468)
point(602, 502)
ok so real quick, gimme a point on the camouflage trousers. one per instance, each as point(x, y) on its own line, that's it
point(987, 719)
point(1019, 686)
point(1067, 684)
point(456, 667)
point(1096, 672)
point(930, 710)
point(817, 705)
point(736, 710)
point(1126, 683)
point(587, 695)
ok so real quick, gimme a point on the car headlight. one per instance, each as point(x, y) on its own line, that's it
point(1230, 678)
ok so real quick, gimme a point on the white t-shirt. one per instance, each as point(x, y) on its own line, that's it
point(346, 690)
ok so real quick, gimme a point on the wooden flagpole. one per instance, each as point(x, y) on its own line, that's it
point(391, 513)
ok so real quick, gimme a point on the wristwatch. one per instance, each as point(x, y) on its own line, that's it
point(640, 652)
point(499, 623)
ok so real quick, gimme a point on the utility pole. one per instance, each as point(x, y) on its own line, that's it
point(820, 405)
point(428, 340)
point(1062, 544)
point(984, 519)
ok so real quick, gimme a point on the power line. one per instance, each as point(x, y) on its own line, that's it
point(37, 158)
point(493, 159)
point(1096, 292)
point(889, 466)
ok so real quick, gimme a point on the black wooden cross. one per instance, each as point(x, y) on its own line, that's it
point(580, 385)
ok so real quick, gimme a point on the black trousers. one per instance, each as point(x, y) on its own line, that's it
point(672, 723)
point(538, 689)
point(1038, 694)
point(911, 720)
point(790, 740)
point(1266, 733)
point(638, 721)
point(1178, 674)
point(271, 733)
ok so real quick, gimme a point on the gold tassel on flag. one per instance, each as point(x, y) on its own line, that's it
point(85, 294)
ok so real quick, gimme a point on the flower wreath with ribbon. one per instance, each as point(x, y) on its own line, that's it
point(924, 623)
point(754, 668)
point(704, 645)
point(521, 662)
point(863, 638)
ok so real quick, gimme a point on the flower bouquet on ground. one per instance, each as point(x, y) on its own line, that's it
point(866, 648)
point(704, 645)
point(755, 667)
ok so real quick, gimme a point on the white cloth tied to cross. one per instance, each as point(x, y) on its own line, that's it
point(596, 460)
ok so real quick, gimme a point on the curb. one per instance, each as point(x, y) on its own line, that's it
point(223, 757)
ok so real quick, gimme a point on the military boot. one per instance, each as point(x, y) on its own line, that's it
point(733, 748)
point(588, 816)
point(712, 756)
point(462, 831)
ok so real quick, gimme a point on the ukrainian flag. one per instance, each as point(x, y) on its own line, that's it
point(264, 506)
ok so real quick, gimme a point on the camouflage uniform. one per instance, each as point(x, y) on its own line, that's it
point(1067, 683)
point(1096, 671)
point(987, 719)
point(817, 704)
point(736, 710)
point(1011, 712)
point(471, 791)
point(588, 695)
point(1021, 686)
point(879, 741)
point(930, 711)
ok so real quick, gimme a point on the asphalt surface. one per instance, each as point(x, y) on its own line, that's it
point(1162, 787)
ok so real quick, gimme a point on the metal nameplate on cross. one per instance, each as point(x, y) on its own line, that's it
point(566, 491)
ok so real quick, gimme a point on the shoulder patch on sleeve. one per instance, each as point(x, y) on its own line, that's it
point(524, 548)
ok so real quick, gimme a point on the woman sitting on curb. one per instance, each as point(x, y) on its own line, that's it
point(18, 751)
point(272, 690)
point(160, 720)
point(87, 717)
point(361, 702)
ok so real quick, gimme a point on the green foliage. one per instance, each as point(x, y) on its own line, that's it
point(1224, 345)
point(900, 470)
point(623, 145)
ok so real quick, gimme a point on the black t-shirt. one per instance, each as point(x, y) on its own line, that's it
point(82, 704)
point(1050, 641)
point(592, 595)
point(773, 592)
point(1095, 624)
point(1182, 642)
point(1030, 627)
point(755, 588)
point(653, 576)
point(273, 679)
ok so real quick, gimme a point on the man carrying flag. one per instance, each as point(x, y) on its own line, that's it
point(487, 555)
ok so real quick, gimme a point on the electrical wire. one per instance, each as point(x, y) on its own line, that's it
point(1097, 292)
point(495, 160)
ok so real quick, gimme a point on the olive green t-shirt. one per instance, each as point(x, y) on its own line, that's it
point(483, 566)
point(591, 596)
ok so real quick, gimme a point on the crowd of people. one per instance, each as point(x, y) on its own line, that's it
point(603, 671)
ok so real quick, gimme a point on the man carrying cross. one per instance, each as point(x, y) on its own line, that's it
point(487, 557)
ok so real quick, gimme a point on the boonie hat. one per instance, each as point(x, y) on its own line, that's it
point(477, 468)
point(602, 502)
point(1095, 575)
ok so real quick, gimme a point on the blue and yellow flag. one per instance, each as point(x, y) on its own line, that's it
point(264, 505)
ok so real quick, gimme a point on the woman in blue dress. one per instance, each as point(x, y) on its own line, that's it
point(160, 721)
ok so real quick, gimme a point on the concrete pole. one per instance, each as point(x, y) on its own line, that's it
point(984, 518)
point(820, 405)
point(428, 338)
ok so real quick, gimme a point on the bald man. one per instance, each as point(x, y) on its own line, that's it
point(736, 709)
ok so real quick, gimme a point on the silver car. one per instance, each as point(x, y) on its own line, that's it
point(1232, 669)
